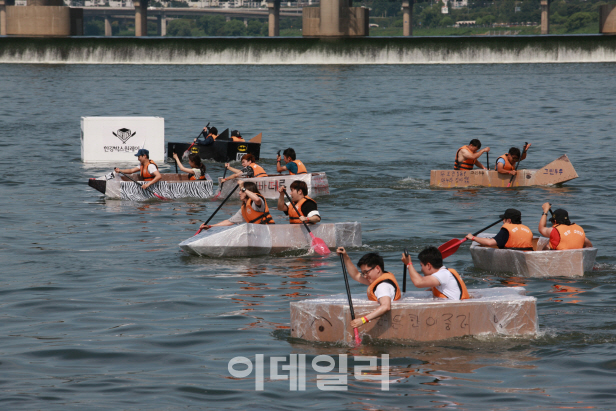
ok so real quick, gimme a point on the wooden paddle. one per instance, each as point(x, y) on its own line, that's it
point(317, 244)
point(517, 165)
point(348, 290)
point(214, 213)
point(451, 246)
point(147, 188)
point(406, 254)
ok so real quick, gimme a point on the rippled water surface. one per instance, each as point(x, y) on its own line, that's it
point(101, 310)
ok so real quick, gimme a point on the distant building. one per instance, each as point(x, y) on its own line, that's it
point(458, 4)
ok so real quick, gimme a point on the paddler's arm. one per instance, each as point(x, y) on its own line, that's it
point(500, 167)
point(488, 242)
point(280, 168)
point(587, 242)
point(281, 205)
point(157, 177)
point(478, 164)
point(233, 170)
point(384, 307)
point(351, 269)
point(181, 166)
point(543, 229)
point(221, 224)
point(127, 170)
point(255, 198)
point(525, 152)
point(418, 280)
point(469, 154)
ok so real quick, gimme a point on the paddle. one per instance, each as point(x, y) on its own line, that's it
point(147, 188)
point(348, 290)
point(451, 246)
point(221, 184)
point(517, 165)
point(193, 143)
point(214, 213)
point(488, 160)
point(406, 254)
point(175, 162)
point(317, 244)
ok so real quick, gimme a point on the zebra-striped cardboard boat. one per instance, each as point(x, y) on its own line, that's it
point(171, 186)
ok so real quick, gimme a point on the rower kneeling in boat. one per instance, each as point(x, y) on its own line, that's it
point(506, 163)
point(513, 235)
point(148, 170)
point(197, 168)
point(254, 208)
point(382, 285)
point(250, 170)
point(236, 136)
point(445, 283)
point(293, 166)
point(468, 156)
point(306, 206)
point(563, 235)
point(209, 136)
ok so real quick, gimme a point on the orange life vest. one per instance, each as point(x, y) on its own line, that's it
point(293, 216)
point(508, 166)
point(258, 170)
point(463, 291)
point(386, 276)
point(255, 217)
point(466, 164)
point(192, 178)
point(571, 237)
point(145, 174)
point(237, 139)
point(301, 168)
point(520, 236)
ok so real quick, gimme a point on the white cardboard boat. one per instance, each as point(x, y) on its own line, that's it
point(268, 186)
point(418, 316)
point(246, 240)
point(539, 263)
point(557, 172)
point(171, 186)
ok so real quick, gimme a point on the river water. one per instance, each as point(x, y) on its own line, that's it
point(101, 310)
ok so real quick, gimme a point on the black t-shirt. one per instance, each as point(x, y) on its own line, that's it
point(307, 207)
point(249, 171)
point(501, 238)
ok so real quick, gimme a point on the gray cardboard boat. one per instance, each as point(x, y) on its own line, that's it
point(245, 240)
point(539, 263)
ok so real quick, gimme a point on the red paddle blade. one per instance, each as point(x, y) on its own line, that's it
point(198, 231)
point(319, 246)
point(357, 339)
point(450, 247)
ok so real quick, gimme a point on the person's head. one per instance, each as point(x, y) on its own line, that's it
point(236, 133)
point(299, 190)
point(514, 154)
point(213, 131)
point(561, 217)
point(142, 155)
point(371, 266)
point(431, 260)
point(474, 145)
point(194, 160)
point(512, 216)
point(289, 153)
point(250, 186)
point(247, 159)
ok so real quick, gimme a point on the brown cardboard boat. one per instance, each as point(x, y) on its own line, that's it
point(419, 316)
point(557, 172)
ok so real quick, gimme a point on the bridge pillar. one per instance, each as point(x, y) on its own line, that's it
point(407, 18)
point(162, 25)
point(607, 19)
point(141, 17)
point(274, 17)
point(2, 18)
point(545, 17)
point(108, 32)
point(330, 17)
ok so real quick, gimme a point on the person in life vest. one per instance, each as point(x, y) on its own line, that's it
point(293, 166)
point(197, 168)
point(210, 134)
point(512, 235)
point(468, 156)
point(148, 170)
point(306, 206)
point(506, 163)
point(563, 235)
point(250, 170)
point(382, 285)
point(254, 208)
point(445, 283)
point(236, 136)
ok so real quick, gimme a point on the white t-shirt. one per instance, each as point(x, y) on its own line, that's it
point(449, 286)
point(385, 290)
point(238, 218)
point(197, 172)
point(152, 168)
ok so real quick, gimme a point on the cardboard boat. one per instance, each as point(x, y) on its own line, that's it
point(539, 263)
point(246, 240)
point(223, 150)
point(268, 186)
point(418, 316)
point(171, 186)
point(557, 172)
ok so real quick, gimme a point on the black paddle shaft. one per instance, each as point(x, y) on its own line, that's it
point(175, 162)
point(348, 289)
point(295, 208)
point(484, 229)
point(223, 201)
point(406, 254)
point(488, 160)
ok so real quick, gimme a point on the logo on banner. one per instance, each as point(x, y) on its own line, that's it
point(242, 147)
point(124, 134)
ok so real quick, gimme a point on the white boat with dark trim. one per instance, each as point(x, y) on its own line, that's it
point(244, 240)
point(539, 263)
point(268, 186)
